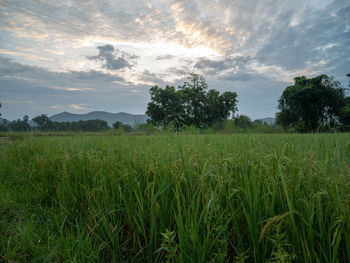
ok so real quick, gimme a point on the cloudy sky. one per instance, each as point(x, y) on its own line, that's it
point(81, 56)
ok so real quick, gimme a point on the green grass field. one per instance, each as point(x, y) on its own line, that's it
point(176, 198)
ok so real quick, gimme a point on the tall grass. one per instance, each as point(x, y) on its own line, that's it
point(176, 198)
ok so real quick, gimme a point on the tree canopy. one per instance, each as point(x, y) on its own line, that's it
point(44, 123)
point(118, 125)
point(41, 121)
point(19, 125)
point(190, 104)
point(243, 121)
point(312, 104)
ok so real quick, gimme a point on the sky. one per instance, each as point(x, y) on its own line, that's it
point(104, 55)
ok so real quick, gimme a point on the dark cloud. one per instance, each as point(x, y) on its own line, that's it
point(106, 49)
point(230, 68)
point(41, 76)
point(165, 57)
point(152, 77)
point(180, 71)
point(112, 58)
point(7, 68)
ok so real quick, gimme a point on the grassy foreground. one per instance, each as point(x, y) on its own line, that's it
point(188, 198)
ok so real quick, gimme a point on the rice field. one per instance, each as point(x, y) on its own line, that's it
point(176, 198)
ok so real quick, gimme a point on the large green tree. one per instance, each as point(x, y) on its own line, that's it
point(119, 125)
point(190, 104)
point(345, 109)
point(41, 121)
point(194, 97)
point(166, 107)
point(243, 121)
point(311, 104)
point(345, 112)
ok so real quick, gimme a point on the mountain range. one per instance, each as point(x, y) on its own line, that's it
point(110, 118)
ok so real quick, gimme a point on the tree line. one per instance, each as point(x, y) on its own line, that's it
point(310, 105)
point(43, 123)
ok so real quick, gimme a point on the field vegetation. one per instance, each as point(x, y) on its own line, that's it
point(175, 198)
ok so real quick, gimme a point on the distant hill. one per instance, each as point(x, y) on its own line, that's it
point(268, 120)
point(110, 118)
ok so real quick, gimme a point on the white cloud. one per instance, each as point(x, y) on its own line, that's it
point(73, 88)
point(77, 107)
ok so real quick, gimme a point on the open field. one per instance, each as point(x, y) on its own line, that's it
point(176, 198)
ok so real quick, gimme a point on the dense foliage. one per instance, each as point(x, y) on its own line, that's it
point(44, 123)
point(313, 104)
point(89, 125)
point(19, 125)
point(216, 198)
point(190, 104)
point(239, 124)
point(16, 125)
point(118, 125)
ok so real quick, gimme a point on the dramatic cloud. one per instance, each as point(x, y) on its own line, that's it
point(151, 78)
point(65, 53)
point(111, 58)
point(230, 68)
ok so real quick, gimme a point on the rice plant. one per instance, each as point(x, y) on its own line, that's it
point(176, 198)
